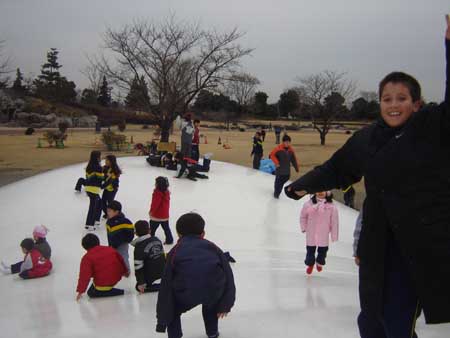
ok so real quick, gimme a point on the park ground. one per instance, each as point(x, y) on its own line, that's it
point(20, 157)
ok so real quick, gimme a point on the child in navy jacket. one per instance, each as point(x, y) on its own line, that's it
point(196, 273)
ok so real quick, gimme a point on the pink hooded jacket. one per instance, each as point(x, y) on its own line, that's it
point(319, 221)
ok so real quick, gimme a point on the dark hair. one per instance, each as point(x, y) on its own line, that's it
point(162, 183)
point(94, 161)
point(399, 77)
point(188, 117)
point(258, 133)
point(90, 241)
point(142, 228)
point(196, 121)
point(179, 156)
point(27, 244)
point(286, 138)
point(190, 224)
point(115, 205)
point(114, 166)
point(328, 199)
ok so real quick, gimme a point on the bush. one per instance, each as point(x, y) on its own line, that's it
point(29, 131)
point(122, 125)
point(55, 137)
point(62, 126)
point(111, 139)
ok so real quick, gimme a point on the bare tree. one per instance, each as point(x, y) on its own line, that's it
point(241, 87)
point(321, 92)
point(4, 66)
point(93, 75)
point(369, 96)
point(176, 59)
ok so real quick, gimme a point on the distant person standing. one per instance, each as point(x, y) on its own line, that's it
point(263, 134)
point(196, 141)
point(283, 156)
point(257, 151)
point(277, 130)
point(187, 132)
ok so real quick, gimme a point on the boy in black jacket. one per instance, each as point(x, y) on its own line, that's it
point(404, 159)
point(120, 230)
point(196, 273)
point(149, 258)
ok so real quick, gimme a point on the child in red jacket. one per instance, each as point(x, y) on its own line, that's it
point(34, 264)
point(159, 209)
point(104, 265)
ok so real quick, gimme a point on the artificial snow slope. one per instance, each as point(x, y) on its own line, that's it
point(274, 296)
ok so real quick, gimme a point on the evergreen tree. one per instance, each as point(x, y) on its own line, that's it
point(17, 85)
point(138, 97)
point(50, 84)
point(104, 96)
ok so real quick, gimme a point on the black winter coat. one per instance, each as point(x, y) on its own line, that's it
point(196, 272)
point(407, 181)
point(149, 259)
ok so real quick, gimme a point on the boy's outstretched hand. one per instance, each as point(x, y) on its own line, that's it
point(79, 295)
point(447, 34)
point(222, 315)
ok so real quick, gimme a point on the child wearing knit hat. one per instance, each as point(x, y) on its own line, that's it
point(39, 243)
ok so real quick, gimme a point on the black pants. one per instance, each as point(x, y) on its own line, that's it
point(81, 181)
point(94, 293)
point(154, 225)
point(15, 268)
point(95, 209)
point(107, 198)
point(401, 307)
point(311, 259)
point(280, 180)
point(349, 198)
point(154, 287)
point(277, 138)
point(257, 161)
point(186, 149)
point(195, 152)
point(209, 318)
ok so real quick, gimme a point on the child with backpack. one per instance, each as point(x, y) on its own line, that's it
point(111, 184)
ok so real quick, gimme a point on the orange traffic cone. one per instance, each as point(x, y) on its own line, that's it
point(220, 141)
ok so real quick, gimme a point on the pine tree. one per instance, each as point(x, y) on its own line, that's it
point(50, 84)
point(17, 85)
point(138, 97)
point(104, 96)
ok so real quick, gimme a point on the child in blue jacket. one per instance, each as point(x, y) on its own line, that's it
point(196, 273)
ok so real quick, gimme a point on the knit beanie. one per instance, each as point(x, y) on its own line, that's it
point(190, 224)
point(40, 231)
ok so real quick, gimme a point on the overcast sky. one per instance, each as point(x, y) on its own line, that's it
point(291, 37)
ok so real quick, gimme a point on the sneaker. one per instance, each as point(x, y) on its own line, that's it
point(90, 228)
point(208, 156)
point(97, 225)
point(4, 265)
point(105, 216)
point(319, 267)
point(5, 269)
point(217, 335)
point(309, 269)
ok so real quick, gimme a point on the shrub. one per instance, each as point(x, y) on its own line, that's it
point(29, 131)
point(122, 125)
point(56, 137)
point(62, 126)
point(111, 139)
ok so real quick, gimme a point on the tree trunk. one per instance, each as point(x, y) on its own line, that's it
point(165, 132)
point(322, 138)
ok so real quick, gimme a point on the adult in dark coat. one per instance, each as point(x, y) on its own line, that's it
point(404, 245)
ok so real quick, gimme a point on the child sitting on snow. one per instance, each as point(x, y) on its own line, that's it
point(319, 218)
point(190, 168)
point(34, 264)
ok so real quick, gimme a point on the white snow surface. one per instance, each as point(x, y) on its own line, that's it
point(275, 298)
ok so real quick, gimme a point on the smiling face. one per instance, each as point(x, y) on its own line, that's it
point(396, 104)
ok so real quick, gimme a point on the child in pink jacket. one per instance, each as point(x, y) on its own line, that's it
point(319, 219)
